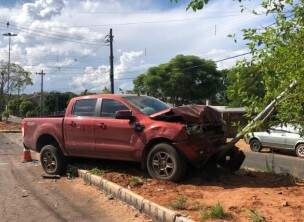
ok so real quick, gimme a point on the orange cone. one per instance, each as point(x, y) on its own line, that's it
point(27, 157)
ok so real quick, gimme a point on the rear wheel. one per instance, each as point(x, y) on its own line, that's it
point(165, 163)
point(52, 160)
point(300, 150)
point(255, 145)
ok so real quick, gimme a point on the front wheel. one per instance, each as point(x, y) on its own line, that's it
point(255, 145)
point(52, 160)
point(300, 150)
point(165, 163)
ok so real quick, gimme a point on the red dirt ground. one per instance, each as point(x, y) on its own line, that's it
point(277, 198)
point(9, 126)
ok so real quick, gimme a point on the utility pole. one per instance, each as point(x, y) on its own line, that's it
point(109, 39)
point(41, 92)
point(9, 35)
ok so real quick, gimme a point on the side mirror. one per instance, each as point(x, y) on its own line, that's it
point(268, 131)
point(124, 114)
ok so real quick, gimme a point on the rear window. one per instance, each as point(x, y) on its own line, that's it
point(85, 107)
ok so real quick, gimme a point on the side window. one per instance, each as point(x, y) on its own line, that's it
point(109, 107)
point(84, 107)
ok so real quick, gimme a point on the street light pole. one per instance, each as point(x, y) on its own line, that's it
point(9, 35)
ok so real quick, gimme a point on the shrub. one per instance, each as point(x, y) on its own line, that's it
point(97, 171)
point(180, 203)
point(254, 216)
point(31, 114)
point(5, 115)
point(215, 212)
point(135, 181)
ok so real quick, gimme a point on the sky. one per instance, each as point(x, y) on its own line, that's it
point(66, 38)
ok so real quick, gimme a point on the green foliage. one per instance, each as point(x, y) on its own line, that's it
point(180, 203)
point(13, 106)
point(19, 78)
point(135, 181)
point(245, 85)
point(183, 80)
point(277, 53)
point(215, 212)
point(97, 171)
point(5, 115)
point(31, 113)
point(254, 216)
point(56, 101)
point(25, 107)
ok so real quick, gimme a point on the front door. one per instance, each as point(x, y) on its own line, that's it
point(79, 128)
point(113, 137)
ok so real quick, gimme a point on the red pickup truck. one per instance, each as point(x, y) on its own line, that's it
point(133, 128)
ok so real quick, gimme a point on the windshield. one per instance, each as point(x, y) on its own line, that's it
point(147, 105)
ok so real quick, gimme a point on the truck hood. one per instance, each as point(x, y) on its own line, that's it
point(190, 114)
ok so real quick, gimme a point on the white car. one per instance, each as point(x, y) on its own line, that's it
point(284, 137)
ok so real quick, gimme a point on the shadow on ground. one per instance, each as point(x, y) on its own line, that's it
point(121, 172)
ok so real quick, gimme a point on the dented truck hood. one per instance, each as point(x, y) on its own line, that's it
point(192, 114)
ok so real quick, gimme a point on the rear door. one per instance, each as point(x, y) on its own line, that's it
point(113, 137)
point(275, 138)
point(79, 128)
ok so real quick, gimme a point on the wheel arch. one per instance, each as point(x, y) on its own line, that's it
point(254, 138)
point(298, 143)
point(46, 139)
point(151, 144)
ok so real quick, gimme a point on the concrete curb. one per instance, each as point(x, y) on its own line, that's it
point(155, 211)
point(10, 131)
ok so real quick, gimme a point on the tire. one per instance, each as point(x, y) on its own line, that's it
point(52, 160)
point(165, 163)
point(255, 145)
point(300, 150)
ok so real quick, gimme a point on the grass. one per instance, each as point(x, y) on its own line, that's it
point(180, 203)
point(97, 171)
point(215, 212)
point(135, 181)
point(254, 216)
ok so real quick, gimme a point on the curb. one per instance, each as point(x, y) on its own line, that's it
point(10, 131)
point(155, 211)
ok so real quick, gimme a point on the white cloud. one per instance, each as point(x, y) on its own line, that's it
point(70, 34)
point(43, 9)
point(98, 78)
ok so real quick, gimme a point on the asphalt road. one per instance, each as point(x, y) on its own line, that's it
point(26, 196)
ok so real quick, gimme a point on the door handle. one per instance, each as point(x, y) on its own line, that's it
point(102, 125)
point(73, 124)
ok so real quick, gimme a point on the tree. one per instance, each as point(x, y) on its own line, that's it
point(244, 84)
point(19, 78)
point(13, 106)
point(57, 102)
point(25, 107)
point(185, 79)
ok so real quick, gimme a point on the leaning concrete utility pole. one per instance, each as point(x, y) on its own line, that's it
point(41, 92)
point(261, 117)
point(110, 40)
point(9, 35)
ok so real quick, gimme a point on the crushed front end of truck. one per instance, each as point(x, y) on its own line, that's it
point(205, 142)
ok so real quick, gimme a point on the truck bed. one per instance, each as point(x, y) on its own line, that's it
point(33, 127)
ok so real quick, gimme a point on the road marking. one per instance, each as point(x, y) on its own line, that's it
point(3, 163)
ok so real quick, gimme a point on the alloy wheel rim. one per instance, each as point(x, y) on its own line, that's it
point(49, 161)
point(301, 151)
point(162, 164)
point(255, 145)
